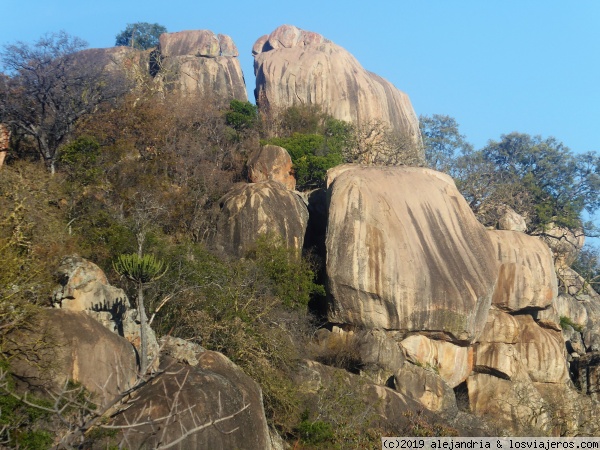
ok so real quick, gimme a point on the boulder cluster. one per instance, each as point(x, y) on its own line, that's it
point(444, 315)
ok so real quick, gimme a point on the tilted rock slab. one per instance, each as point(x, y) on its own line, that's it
point(272, 162)
point(76, 348)
point(212, 405)
point(294, 66)
point(451, 362)
point(251, 210)
point(201, 62)
point(542, 351)
point(426, 387)
point(527, 277)
point(405, 252)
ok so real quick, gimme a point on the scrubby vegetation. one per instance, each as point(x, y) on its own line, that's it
point(142, 173)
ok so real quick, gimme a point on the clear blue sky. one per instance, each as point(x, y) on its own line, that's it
point(496, 66)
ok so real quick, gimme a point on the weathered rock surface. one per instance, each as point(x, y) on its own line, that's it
point(500, 327)
point(510, 220)
point(201, 62)
point(4, 142)
point(542, 352)
point(451, 362)
point(71, 345)
point(249, 210)
point(181, 350)
point(294, 66)
point(212, 405)
point(425, 387)
point(527, 279)
point(510, 405)
point(405, 252)
point(274, 163)
point(564, 243)
point(84, 286)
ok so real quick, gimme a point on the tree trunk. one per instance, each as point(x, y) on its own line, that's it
point(143, 330)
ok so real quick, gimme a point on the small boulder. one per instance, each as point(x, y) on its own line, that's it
point(425, 387)
point(251, 210)
point(272, 163)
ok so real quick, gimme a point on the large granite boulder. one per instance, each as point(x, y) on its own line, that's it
point(211, 405)
point(271, 162)
point(405, 252)
point(251, 210)
point(426, 387)
point(200, 62)
point(71, 345)
point(564, 243)
point(527, 278)
point(452, 363)
point(83, 286)
point(294, 66)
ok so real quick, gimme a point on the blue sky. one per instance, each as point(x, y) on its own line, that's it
point(531, 66)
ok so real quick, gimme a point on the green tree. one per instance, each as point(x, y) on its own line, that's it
point(140, 35)
point(141, 270)
point(241, 115)
point(49, 88)
point(539, 178)
point(442, 141)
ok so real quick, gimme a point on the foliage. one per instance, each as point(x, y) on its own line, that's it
point(78, 159)
point(140, 35)
point(567, 322)
point(49, 88)
point(540, 179)
point(140, 269)
point(442, 141)
point(587, 265)
point(314, 432)
point(241, 116)
point(311, 156)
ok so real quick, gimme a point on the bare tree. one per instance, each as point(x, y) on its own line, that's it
point(48, 88)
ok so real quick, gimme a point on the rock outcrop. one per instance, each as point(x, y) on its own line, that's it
point(200, 62)
point(294, 66)
point(4, 142)
point(211, 405)
point(405, 252)
point(251, 210)
point(527, 278)
point(83, 286)
point(70, 345)
point(271, 163)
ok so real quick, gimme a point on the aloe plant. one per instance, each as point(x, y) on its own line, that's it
point(142, 270)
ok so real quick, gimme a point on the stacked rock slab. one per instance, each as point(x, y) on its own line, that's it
point(271, 162)
point(405, 252)
point(254, 209)
point(294, 66)
point(201, 62)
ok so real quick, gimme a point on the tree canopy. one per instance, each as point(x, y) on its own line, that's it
point(48, 88)
point(140, 35)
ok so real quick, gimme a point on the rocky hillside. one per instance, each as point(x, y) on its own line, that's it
point(168, 287)
point(293, 66)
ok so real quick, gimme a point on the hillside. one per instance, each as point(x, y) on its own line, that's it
point(185, 269)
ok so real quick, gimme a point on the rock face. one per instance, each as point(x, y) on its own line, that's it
point(564, 243)
point(4, 142)
point(249, 210)
point(294, 66)
point(425, 387)
point(405, 252)
point(212, 405)
point(527, 278)
point(274, 163)
point(80, 349)
point(83, 286)
point(201, 62)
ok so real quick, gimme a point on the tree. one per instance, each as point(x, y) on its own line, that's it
point(140, 35)
point(142, 270)
point(48, 88)
point(541, 179)
point(442, 141)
